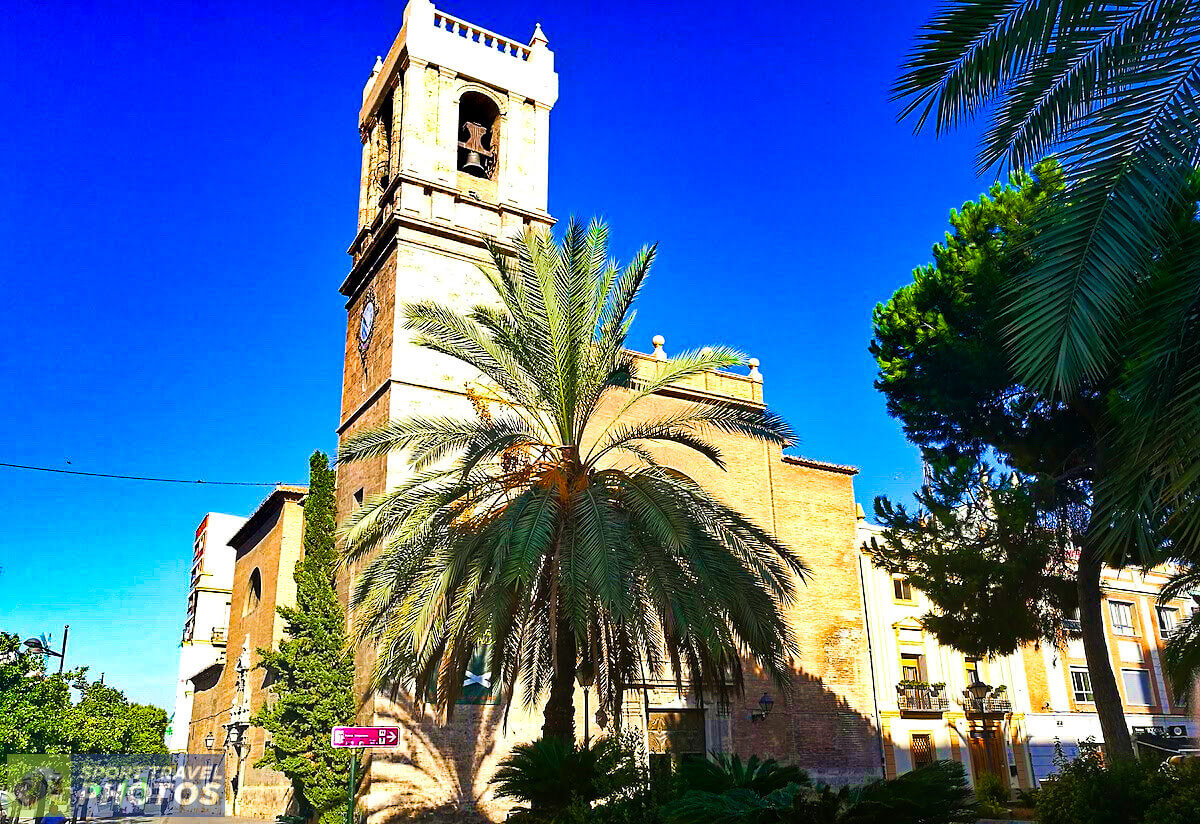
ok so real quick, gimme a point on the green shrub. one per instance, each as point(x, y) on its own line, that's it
point(990, 788)
point(1180, 803)
point(604, 783)
point(936, 794)
point(991, 795)
point(728, 772)
point(1086, 791)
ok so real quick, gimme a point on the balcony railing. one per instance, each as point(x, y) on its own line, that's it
point(986, 700)
point(921, 698)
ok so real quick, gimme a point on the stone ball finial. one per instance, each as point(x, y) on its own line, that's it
point(659, 341)
point(755, 375)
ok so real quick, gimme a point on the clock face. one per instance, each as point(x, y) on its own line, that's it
point(366, 323)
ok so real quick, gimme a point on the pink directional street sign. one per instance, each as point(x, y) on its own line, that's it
point(365, 736)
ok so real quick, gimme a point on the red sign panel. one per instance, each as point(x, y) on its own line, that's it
point(365, 736)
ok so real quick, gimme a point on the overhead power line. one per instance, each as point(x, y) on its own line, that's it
point(134, 477)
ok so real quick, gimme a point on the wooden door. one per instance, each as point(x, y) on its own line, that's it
point(987, 753)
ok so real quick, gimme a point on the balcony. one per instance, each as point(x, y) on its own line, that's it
point(218, 635)
point(914, 697)
point(983, 699)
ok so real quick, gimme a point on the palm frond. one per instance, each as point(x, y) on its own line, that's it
point(1112, 88)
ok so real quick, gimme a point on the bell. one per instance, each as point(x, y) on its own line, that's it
point(474, 164)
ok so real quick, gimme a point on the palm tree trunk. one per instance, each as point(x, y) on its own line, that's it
point(559, 715)
point(1117, 743)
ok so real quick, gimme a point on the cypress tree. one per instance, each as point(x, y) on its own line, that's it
point(311, 676)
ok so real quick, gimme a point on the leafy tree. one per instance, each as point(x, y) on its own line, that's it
point(1113, 288)
point(548, 525)
point(312, 673)
point(38, 713)
point(1090, 790)
point(104, 721)
point(939, 343)
point(987, 553)
point(33, 704)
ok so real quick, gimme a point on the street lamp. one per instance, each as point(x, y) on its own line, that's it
point(209, 741)
point(765, 705)
point(38, 646)
point(234, 733)
point(979, 692)
point(585, 674)
point(235, 737)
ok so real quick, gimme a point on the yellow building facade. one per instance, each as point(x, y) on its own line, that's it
point(1012, 714)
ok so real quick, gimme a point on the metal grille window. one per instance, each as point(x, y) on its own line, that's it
point(1081, 684)
point(922, 750)
point(1122, 617)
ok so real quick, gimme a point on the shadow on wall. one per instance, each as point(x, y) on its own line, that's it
point(438, 773)
point(441, 772)
point(816, 728)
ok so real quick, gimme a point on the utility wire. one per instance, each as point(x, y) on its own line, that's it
point(134, 477)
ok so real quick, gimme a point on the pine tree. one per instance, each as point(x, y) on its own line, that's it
point(312, 673)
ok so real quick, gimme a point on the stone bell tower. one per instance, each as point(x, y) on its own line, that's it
point(455, 134)
point(455, 145)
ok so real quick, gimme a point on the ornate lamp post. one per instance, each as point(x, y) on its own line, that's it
point(235, 737)
point(765, 705)
point(978, 692)
point(586, 676)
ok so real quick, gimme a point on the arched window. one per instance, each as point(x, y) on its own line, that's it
point(478, 135)
point(253, 592)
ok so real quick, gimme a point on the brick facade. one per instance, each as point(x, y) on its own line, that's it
point(267, 548)
point(422, 231)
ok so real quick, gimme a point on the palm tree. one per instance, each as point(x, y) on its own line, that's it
point(1114, 89)
point(550, 531)
point(1112, 292)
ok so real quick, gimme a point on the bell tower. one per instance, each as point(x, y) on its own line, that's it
point(454, 127)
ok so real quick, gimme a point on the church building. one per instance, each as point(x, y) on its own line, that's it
point(455, 126)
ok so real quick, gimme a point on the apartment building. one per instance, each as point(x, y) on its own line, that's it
point(210, 584)
point(933, 702)
point(1012, 714)
point(1063, 712)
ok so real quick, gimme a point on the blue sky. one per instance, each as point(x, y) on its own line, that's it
point(181, 183)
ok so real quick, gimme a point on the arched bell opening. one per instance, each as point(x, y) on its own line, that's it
point(478, 135)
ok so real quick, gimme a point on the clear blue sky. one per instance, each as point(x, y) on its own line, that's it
point(180, 185)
